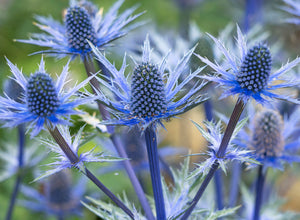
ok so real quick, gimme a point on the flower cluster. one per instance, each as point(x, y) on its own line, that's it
point(170, 73)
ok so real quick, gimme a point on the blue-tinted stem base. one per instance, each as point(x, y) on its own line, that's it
point(151, 144)
point(234, 184)
point(261, 176)
point(218, 180)
point(236, 114)
point(21, 134)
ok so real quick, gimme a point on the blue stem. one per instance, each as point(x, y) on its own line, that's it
point(218, 179)
point(253, 13)
point(237, 111)
point(90, 69)
point(234, 184)
point(259, 192)
point(218, 175)
point(151, 143)
point(21, 133)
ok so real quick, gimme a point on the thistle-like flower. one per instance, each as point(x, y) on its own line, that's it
point(293, 7)
point(58, 197)
point(155, 92)
point(63, 162)
point(82, 23)
point(44, 101)
point(272, 139)
point(249, 74)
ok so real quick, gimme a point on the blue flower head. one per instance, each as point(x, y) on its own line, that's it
point(249, 74)
point(154, 93)
point(43, 102)
point(272, 139)
point(82, 23)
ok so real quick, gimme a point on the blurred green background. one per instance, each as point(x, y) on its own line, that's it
point(16, 22)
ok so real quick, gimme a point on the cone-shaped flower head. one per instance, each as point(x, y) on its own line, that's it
point(267, 139)
point(246, 72)
point(83, 22)
point(255, 69)
point(272, 139)
point(79, 29)
point(41, 96)
point(154, 92)
point(43, 101)
point(148, 96)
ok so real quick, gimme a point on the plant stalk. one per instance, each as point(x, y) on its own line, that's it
point(55, 133)
point(237, 111)
point(218, 178)
point(234, 184)
point(261, 177)
point(153, 158)
point(21, 134)
point(90, 69)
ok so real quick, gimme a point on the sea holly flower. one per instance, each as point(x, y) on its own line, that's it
point(44, 102)
point(249, 74)
point(293, 7)
point(74, 143)
point(154, 94)
point(271, 138)
point(82, 24)
point(213, 134)
point(147, 101)
point(59, 196)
